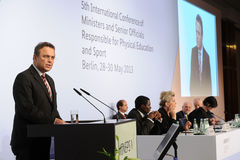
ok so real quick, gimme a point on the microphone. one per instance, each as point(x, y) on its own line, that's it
point(79, 93)
point(85, 92)
point(222, 120)
point(99, 101)
point(217, 116)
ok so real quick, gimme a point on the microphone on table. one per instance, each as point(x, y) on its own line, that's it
point(214, 115)
point(222, 120)
point(79, 93)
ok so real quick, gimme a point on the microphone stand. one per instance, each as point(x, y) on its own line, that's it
point(87, 93)
point(104, 119)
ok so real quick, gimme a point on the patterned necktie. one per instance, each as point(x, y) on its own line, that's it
point(47, 86)
point(124, 116)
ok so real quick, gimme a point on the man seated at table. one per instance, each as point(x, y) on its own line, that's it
point(205, 111)
point(144, 119)
point(186, 109)
point(198, 103)
point(122, 109)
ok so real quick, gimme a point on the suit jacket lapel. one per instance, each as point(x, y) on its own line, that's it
point(183, 114)
point(39, 79)
point(204, 63)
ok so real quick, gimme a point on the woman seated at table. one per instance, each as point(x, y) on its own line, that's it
point(167, 110)
point(205, 111)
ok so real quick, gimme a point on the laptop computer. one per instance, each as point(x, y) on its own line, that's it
point(167, 141)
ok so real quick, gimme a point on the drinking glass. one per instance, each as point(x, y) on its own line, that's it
point(74, 116)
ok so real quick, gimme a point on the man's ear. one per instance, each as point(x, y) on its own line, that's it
point(142, 108)
point(120, 107)
point(34, 56)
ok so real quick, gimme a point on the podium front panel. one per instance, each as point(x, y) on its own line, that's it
point(84, 141)
point(127, 139)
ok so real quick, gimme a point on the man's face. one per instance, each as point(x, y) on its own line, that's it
point(197, 104)
point(44, 61)
point(124, 107)
point(199, 34)
point(146, 108)
point(186, 108)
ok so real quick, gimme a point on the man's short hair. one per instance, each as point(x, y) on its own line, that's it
point(195, 100)
point(210, 102)
point(119, 103)
point(41, 45)
point(185, 103)
point(141, 100)
point(199, 20)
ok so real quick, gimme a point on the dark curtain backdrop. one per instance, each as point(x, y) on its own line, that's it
point(230, 69)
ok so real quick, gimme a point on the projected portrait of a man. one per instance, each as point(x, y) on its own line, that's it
point(200, 82)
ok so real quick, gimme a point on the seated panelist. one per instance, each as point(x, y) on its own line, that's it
point(168, 114)
point(186, 109)
point(205, 111)
point(144, 118)
point(122, 109)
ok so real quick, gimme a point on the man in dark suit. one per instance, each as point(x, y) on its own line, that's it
point(122, 109)
point(205, 111)
point(145, 121)
point(200, 83)
point(35, 103)
point(186, 109)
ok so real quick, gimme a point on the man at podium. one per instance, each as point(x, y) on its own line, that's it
point(35, 103)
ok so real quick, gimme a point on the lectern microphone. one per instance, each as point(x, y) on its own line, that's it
point(98, 100)
point(87, 93)
point(79, 93)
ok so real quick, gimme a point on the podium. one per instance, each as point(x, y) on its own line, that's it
point(83, 141)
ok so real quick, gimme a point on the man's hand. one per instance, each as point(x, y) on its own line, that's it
point(212, 121)
point(187, 125)
point(59, 121)
point(154, 115)
point(158, 116)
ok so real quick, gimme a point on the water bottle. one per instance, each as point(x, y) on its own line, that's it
point(236, 120)
point(206, 123)
point(195, 127)
point(202, 127)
